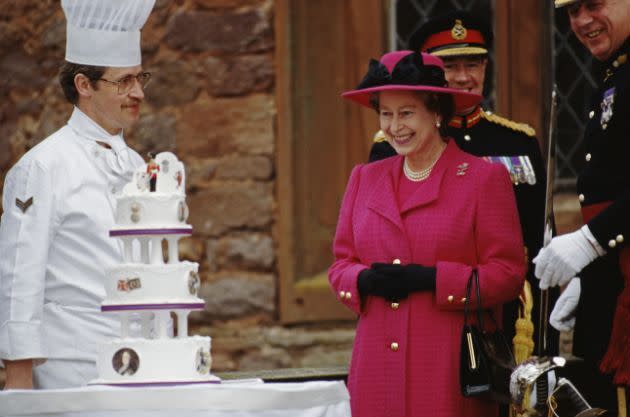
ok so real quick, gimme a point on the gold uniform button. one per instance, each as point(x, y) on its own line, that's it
point(591, 114)
point(342, 294)
point(348, 295)
point(450, 298)
point(467, 138)
point(619, 238)
point(581, 198)
point(396, 261)
point(394, 346)
point(588, 157)
point(612, 243)
point(395, 306)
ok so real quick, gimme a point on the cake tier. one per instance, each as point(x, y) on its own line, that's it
point(136, 362)
point(152, 210)
point(147, 286)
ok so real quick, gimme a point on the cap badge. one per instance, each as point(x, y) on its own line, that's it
point(459, 32)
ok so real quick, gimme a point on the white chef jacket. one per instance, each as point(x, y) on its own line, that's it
point(54, 254)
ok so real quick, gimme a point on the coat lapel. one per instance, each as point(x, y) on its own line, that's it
point(383, 199)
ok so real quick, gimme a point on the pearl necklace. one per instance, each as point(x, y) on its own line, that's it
point(421, 175)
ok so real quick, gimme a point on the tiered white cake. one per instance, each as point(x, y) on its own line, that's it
point(152, 209)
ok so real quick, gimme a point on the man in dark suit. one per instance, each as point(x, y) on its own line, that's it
point(595, 303)
point(462, 41)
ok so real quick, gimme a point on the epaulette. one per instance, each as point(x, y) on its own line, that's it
point(379, 137)
point(519, 127)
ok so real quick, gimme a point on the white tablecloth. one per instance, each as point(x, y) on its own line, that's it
point(245, 399)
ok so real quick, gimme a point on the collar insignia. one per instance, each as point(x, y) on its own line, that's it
point(24, 205)
point(459, 32)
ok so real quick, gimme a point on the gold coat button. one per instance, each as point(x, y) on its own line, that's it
point(591, 114)
point(588, 157)
point(463, 300)
point(342, 294)
point(467, 138)
point(396, 261)
point(394, 346)
point(619, 238)
point(581, 198)
point(348, 295)
point(612, 243)
point(395, 306)
point(450, 298)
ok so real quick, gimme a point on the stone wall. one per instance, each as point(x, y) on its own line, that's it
point(211, 101)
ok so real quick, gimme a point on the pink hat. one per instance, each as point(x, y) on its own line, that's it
point(409, 71)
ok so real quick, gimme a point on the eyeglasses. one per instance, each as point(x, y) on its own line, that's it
point(126, 84)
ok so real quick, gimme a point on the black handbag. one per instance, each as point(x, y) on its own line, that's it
point(486, 359)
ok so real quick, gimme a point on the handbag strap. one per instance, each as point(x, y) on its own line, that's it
point(474, 278)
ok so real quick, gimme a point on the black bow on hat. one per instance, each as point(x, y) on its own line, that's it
point(410, 70)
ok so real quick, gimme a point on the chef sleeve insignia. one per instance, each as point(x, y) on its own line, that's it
point(24, 205)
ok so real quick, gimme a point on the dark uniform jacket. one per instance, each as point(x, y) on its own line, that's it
point(605, 178)
point(501, 140)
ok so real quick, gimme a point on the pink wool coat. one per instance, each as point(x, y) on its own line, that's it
point(405, 360)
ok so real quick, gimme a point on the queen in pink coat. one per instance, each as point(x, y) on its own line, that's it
point(411, 229)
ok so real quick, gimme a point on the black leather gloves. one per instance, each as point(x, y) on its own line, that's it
point(395, 282)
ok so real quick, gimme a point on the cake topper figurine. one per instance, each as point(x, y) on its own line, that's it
point(152, 169)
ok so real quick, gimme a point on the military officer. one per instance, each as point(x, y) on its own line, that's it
point(597, 252)
point(462, 41)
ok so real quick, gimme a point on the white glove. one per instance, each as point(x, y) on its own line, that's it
point(565, 256)
point(563, 314)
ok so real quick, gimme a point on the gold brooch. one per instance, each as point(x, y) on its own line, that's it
point(461, 168)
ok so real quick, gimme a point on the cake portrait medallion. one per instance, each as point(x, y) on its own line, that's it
point(193, 283)
point(126, 362)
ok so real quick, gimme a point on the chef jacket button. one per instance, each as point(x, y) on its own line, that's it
point(581, 198)
point(587, 157)
point(348, 295)
point(467, 138)
point(396, 261)
point(591, 114)
point(113, 190)
point(342, 294)
point(450, 298)
point(395, 306)
point(619, 238)
point(394, 346)
point(463, 300)
point(612, 243)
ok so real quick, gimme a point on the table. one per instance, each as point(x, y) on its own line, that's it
point(229, 399)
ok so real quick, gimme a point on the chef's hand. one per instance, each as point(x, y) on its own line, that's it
point(565, 256)
point(563, 314)
point(19, 374)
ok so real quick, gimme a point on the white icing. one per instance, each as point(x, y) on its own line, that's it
point(151, 210)
point(155, 361)
point(152, 284)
